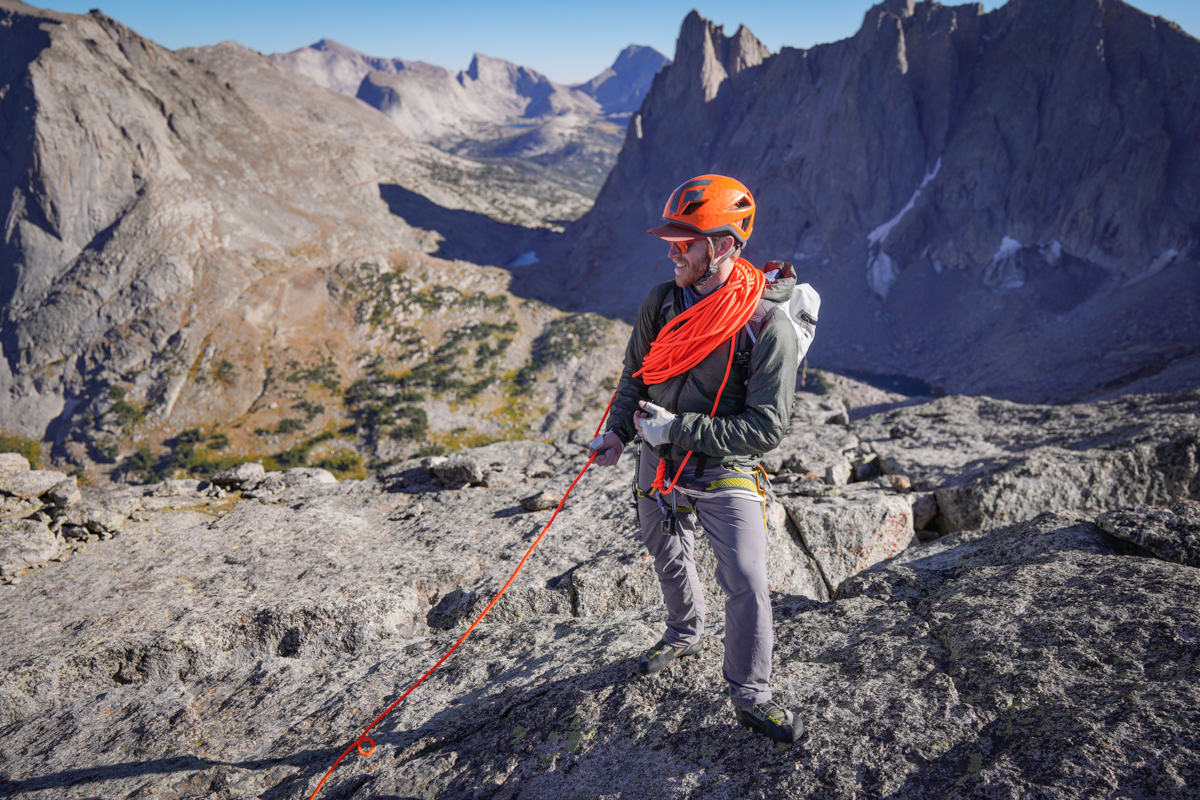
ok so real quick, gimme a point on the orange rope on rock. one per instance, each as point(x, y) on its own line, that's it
point(363, 738)
point(693, 335)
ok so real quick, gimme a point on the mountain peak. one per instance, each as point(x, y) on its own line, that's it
point(620, 89)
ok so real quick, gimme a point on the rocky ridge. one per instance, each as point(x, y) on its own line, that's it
point(494, 110)
point(941, 159)
point(229, 645)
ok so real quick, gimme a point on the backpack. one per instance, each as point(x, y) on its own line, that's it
point(801, 310)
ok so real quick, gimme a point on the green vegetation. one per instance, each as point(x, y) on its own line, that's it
point(297, 455)
point(567, 336)
point(344, 464)
point(142, 464)
point(289, 425)
point(324, 373)
point(310, 409)
point(32, 450)
point(126, 414)
point(218, 441)
point(225, 373)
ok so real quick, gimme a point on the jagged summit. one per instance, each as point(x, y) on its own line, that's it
point(621, 88)
point(993, 202)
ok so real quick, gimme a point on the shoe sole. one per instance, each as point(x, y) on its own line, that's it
point(797, 735)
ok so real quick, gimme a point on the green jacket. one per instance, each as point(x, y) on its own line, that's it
point(756, 405)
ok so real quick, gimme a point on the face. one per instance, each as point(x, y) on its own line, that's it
point(691, 265)
point(691, 260)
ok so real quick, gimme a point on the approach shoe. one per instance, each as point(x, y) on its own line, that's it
point(771, 719)
point(662, 654)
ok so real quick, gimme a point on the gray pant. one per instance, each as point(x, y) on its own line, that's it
point(735, 529)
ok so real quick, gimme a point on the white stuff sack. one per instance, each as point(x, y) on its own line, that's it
point(802, 311)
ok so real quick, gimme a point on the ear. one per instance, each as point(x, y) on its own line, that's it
point(724, 245)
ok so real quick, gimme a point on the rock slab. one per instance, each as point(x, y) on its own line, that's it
point(1172, 534)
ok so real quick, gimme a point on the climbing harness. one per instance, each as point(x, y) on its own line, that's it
point(692, 337)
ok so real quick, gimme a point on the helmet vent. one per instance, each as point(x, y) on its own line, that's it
point(691, 208)
point(743, 203)
point(744, 222)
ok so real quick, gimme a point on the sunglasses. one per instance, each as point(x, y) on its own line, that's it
point(683, 246)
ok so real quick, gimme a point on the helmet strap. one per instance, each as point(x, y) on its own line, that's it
point(713, 263)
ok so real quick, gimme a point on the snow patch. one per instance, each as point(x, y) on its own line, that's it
point(1158, 265)
point(1004, 272)
point(882, 269)
point(525, 259)
point(882, 272)
point(877, 236)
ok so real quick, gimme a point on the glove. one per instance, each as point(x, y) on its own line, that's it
point(607, 448)
point(654, 423)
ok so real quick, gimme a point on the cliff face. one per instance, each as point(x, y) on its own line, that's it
point(138, 190)
point(1001, 203)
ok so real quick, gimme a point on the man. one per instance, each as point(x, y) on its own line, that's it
point(707, 222)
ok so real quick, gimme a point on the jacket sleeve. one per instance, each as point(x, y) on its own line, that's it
point(630, 390)
point(770, 390)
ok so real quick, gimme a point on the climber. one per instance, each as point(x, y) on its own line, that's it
point(705, 430)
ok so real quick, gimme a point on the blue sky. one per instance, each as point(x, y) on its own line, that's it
point(569, 42)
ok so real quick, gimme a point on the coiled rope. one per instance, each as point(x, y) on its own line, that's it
point(693, 335)
point(691, 338)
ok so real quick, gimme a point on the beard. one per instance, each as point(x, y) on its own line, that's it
point(686, 274)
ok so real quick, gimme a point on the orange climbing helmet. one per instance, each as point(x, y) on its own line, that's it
point(708, 205)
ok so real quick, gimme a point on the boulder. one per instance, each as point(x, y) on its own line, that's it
point(851, 531)
point(243, 476)
point(1172, 534)
point(31, 483)
point(812, 409)
point(542, 501)
point(63, 494)
point(12, 463)
point(307, 476)
point(25, 543)
point(459, 470)
point(992, 462)
point(185, 487)
point(821, 450)
point(93, 518)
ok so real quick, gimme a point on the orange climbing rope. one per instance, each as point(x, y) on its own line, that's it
point(695, 334)
point(692, 337)
point(363, 738)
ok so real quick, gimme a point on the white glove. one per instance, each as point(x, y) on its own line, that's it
point(654, 423)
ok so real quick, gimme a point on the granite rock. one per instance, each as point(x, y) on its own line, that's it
point(31, 483)
point(12, 463)
point(243, 476)
point(23, 544)
point(1172, 534)
point(459, 470)
point(991, 462)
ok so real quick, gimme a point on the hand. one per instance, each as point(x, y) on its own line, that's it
point(654, 423)
point(608, 449)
